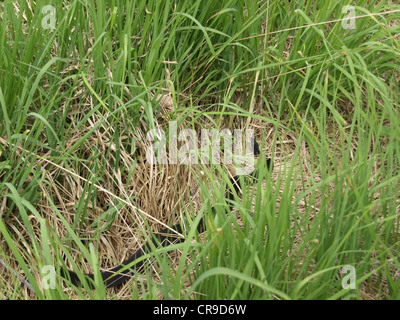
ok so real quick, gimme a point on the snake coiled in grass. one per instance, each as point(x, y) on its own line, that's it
point(117, 276)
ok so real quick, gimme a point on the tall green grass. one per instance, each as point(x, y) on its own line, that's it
point(103, 68)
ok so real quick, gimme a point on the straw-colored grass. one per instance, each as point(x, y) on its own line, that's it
point(76, 188)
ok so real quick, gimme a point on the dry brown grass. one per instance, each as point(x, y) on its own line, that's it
point(162, 192)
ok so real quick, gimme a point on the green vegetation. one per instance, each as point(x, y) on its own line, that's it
point(77, 100)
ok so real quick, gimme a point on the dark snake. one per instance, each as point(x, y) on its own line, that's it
point(113, 277)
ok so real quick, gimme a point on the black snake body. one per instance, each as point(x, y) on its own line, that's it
point(163, 238)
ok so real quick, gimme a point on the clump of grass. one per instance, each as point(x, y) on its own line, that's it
point(77, 100)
